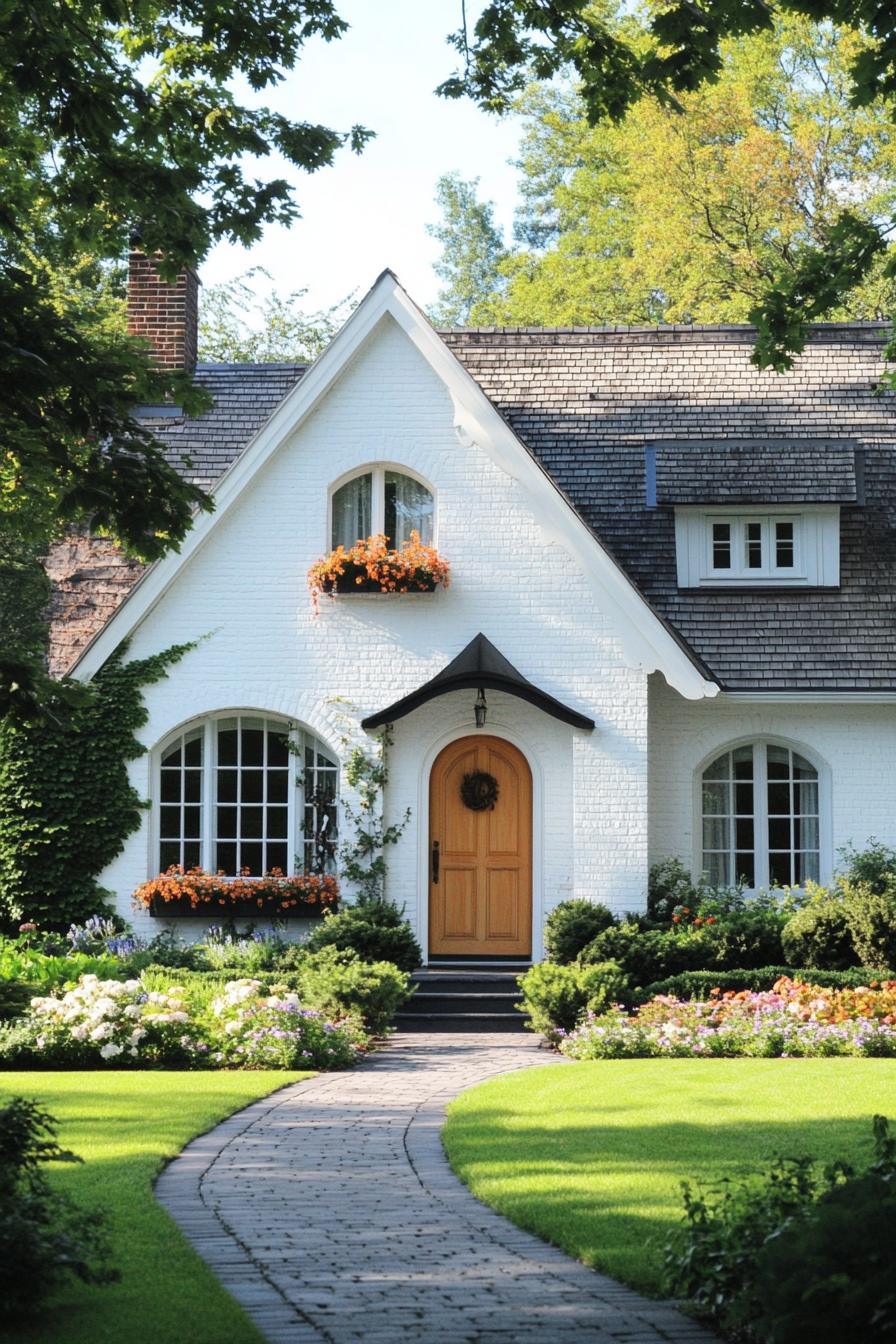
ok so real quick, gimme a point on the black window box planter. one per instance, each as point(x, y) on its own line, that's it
point(347, 583)
point(269, 909)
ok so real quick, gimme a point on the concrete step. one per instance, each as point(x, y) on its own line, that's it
point(467, 982)
point(459, 1001)
point(480, 1023)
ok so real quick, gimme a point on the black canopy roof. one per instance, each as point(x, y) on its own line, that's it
point(479, 664)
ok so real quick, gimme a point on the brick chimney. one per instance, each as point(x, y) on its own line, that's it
point(166, 315)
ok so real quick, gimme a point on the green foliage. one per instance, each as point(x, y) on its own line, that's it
point(374, 928)
point(339, 982)
point(555, 997)
point(66, 804)
point(650, 954)
point(237, 325)
point(669, 885)
point(472, 250)
point(571, 925)
point(871, 916)
point(875, 865)
point(47, 973)
point(43, 1236)
point(819, 934)
point(363, 854)
point(700, 984)
point(697, 171)
point(801, 1253)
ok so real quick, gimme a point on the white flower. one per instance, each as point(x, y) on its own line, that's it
point(110, 1050)
point(136, 1036)
point(101, 1032)
point(132, 1051)
point(79, 1033)
point(133, 1010)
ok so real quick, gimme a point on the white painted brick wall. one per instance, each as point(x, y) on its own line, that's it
point(856, 742)
point(246, 590)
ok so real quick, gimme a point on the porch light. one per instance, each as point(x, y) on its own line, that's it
point(480, 709)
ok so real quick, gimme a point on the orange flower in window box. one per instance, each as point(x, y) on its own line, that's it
point(193, 891)
point(372, 567)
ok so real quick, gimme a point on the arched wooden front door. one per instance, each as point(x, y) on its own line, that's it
point(480, 862)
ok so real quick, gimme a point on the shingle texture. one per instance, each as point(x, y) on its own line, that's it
point(588, 402)
point(753, 471)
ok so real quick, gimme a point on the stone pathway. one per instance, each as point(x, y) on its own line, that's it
point(330, 1213)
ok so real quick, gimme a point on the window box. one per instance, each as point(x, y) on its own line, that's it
point(177, 895)
point(372, 567)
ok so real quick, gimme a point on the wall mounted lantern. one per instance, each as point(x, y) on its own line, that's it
point(480, 709)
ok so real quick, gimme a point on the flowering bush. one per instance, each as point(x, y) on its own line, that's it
point(115, 1020)
point(253, 1029)
point(273, 893)
point(254, 950)
point(372, 565)
point(791, 1020)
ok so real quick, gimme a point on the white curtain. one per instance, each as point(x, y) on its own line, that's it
point(408, 509)
point(351, 512)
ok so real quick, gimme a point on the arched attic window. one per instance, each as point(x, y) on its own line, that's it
point(761, 817)
point(381, 500)
point(242, 791)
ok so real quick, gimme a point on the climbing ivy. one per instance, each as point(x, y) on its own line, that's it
point(363, 853)
point(66, 803)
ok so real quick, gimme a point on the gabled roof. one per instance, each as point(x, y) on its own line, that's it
point(648, 642)
point(586, 403)
point(480, 664)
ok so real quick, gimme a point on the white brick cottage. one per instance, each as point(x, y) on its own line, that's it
point(639, 739)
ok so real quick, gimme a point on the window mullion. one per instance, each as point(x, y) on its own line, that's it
point(760, 809)
point(209, 795)
point(378, 502)
point(293, 800)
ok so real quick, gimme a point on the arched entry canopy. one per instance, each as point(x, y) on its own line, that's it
point(478, 665)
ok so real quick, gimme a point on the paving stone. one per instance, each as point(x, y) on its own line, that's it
point(330, 1212)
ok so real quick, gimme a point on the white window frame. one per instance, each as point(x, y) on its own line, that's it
point(816, 539)
point(377, 470)
point(299, 738)
point(760, 806)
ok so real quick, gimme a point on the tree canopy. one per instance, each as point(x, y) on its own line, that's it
point(666, 216)
point(116, 116)
point(239, 325)
point(655, 65)
point(472, 250)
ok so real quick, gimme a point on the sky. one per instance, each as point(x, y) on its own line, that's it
point(371, 211)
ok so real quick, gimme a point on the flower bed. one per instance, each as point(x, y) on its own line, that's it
point(196, 892)
point(372, 567)
point(121, 1023)
point(792, 1020)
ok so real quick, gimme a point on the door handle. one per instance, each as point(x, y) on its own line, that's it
point(435, 860)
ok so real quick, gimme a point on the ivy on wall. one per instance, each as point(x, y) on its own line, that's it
point(66, 804)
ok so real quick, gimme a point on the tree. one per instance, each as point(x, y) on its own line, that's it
point(116, 116)
point(236, 325)
point(677, 51)
point(472, 250)
point(695, 216)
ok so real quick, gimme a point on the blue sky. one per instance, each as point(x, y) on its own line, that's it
point(369, 212)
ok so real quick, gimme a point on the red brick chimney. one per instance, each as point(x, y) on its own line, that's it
point(166, 315)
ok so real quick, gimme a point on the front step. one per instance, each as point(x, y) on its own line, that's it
point(468, 1000)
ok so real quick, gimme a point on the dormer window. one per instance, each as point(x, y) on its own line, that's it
point(755, 547)
point(381, 500)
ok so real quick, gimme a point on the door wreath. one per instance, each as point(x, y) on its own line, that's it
point(479, 791)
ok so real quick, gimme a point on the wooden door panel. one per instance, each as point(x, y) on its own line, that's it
point(459, 903)
point(482, 902)
point(502, 904)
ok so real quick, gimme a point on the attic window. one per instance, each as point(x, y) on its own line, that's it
point(381, 501)
point(753, 547)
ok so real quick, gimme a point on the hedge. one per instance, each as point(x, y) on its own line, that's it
point(700, 984)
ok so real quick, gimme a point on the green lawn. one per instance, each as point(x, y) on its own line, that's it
point(125, 1125)
point(591, 1156)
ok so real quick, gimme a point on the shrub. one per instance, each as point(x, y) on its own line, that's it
point(49, 972)
point(571, 925)
point(818, 934)
point(251, 1029)
point(43, 1235)
point(339, 983)
point(871, 917)
point(650, 954)
point(747, 937)
point(875, 865)
point(700, 984)
point(797, 1254)
point(376, 929)
point(223, 950)
point(555, 997)
point(669, 884)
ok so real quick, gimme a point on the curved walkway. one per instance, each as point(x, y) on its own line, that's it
point(330, 1212)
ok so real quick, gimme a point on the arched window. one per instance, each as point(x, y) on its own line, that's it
point(381, 501)
point(245, 793)
point(761, 817)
